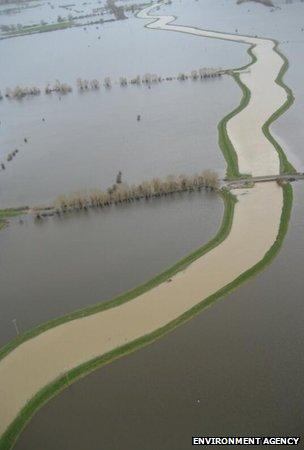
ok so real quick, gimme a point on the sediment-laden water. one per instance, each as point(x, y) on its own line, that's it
point(235, 369)
point(60, 265)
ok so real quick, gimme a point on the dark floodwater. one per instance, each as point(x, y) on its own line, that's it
point(236, 369)
point(52, 268)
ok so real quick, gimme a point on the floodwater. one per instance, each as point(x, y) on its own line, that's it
point(125, 48)
point(236, 369)
point(60, 265)
point(285, 23)
point(87, 138)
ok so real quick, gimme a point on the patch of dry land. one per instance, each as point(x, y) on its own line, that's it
point(40, 360)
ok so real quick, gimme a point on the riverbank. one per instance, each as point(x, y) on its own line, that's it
point(263, 93)
point(81, 343)
point(6, 214)
point(155, 309)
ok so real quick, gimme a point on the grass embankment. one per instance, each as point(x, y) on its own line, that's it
point(285, 166)
point(232, 171)
point(49, 391)
point(5, 214)
point(225, 143)
point(33, 29)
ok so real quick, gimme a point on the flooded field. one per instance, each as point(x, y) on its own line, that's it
point(50, 269)
point(87, 138)
point(225, 372)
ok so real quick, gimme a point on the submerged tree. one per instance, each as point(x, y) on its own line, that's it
point(182, 76)
point(123, 81)
point(107, 82)
point(194, 75)
point(122, 192)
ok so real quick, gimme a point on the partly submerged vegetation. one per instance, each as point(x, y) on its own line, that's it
point(6, 214)
point(95, 17)
point(83, 84)
point(123, 193)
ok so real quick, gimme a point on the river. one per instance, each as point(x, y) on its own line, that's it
point(249, 216)
point(235, 369)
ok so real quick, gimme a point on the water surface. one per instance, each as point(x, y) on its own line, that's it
point(236, 369)
point(50, 269)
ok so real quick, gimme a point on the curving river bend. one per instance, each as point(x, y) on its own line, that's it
point(39, 361)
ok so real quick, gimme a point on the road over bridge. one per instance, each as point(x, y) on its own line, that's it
point(239, 182)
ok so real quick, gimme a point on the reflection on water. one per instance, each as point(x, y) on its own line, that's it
point(60, 265)
point(236, 369)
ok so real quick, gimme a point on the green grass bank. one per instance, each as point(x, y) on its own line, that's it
point(6, 214)
point(285, 166)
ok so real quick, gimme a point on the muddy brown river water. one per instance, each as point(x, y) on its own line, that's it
point(237, 368)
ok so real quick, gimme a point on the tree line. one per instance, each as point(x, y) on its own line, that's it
point(120, 193)
point(82, 84)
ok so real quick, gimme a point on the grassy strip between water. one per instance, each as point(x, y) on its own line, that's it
point(5, 214)
point(252, 56)
point(49, 391)
point(285, 166)
point(45, 28)
point(225, 143)
point(224, 140)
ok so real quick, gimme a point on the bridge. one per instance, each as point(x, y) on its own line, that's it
point(240, 182)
